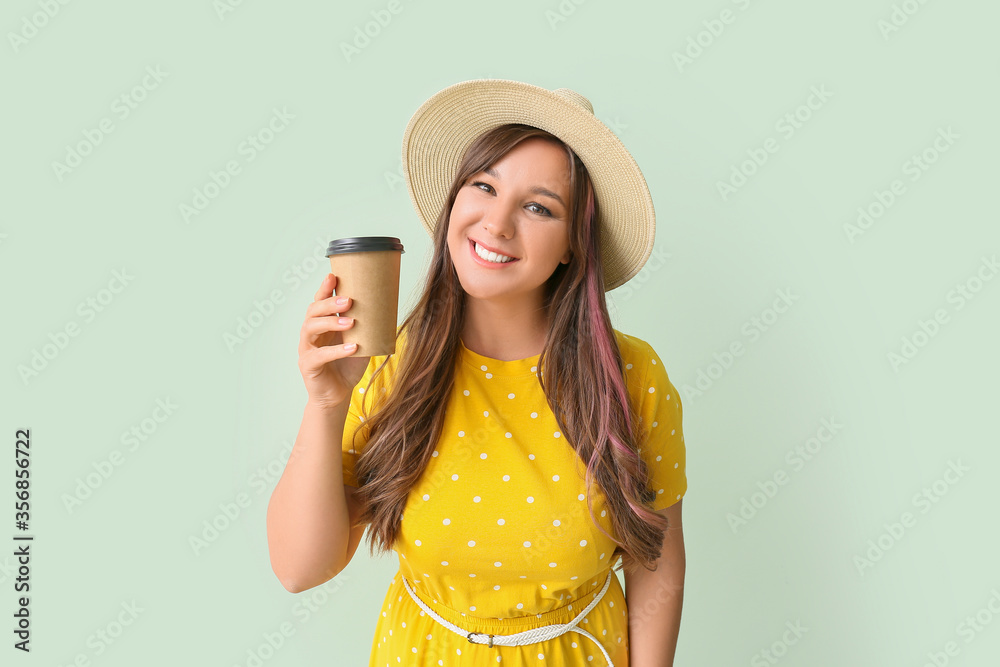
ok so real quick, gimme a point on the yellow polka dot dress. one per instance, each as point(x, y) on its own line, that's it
point(496, 537)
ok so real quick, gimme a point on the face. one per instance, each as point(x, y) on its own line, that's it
point(518, 207)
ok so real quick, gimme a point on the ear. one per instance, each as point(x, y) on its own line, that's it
point(567, 257)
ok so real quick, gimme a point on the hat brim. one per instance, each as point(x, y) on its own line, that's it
point(442, 129)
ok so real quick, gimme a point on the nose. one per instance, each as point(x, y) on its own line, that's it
point(499, 221)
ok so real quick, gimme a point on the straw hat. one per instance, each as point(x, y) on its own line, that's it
point(444, 127)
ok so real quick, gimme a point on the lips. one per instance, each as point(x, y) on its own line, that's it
point(486, 247)
point(486, 264)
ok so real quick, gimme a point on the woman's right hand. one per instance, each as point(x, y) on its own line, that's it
point(329, 371)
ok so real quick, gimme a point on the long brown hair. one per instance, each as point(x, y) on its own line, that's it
point(583, 377)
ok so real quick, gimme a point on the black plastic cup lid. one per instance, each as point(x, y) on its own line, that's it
point(363, 244)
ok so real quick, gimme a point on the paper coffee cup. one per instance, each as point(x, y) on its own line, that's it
point(367, 270)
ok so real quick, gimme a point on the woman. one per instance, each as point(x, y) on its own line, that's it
point(517, 445)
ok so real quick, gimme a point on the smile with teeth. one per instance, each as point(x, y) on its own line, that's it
point(491, 256)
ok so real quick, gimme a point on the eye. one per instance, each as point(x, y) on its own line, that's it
point(542, 210)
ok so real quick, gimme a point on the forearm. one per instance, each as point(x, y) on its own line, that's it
point(655, 600)
point(307, 517)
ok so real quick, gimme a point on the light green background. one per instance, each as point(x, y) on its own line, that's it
point(335, 171)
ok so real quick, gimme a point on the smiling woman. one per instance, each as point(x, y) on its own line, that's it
point(516, 447)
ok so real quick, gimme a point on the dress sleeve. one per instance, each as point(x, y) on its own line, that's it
point(353, 444)
point(662, 440)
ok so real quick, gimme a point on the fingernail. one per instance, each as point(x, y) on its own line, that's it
point(342, 301)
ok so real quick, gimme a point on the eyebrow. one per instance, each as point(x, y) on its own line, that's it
point(535, 190)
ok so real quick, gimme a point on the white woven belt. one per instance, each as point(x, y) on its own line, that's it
point(531, 636)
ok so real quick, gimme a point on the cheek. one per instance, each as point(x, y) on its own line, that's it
point(462, 208)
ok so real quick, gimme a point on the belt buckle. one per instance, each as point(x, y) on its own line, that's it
point(469, 637)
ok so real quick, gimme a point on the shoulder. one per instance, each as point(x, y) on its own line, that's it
point(635, 350)
point(643, 366)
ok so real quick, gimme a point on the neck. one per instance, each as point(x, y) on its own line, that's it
point(504, 331)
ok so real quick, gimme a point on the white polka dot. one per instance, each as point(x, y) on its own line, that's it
point(489, 375)
point(531, 457)
point(580, 497)
point(482, 368)
point(483, 455)
point(473, 608)
point(628, 366)
point(436, 452)
point(556, 434)
point(506, 478)
point(672, 431)
point(602, 557)
point(486, 413)
point(454, 477)
point(603, 512)
point(500, 522)
point(426, 497)
point(574, 577)
point(497, 564)
point(534, 368)
point(659, 458)
point(511, 395)
point(541, 656)
point(654, 361)
point(472, 543)
point(573, 644)
point(555, 478)
point(461, 434)
point(583, 543)
point(527, 544)
point(361, 390)
point(476, 499)
point(676, 464)
point(445, 563)
point(678, 496)
point(446, 522)
point(552, 564)
point(509, 434)
point(466, 392)
point(520, 605)
point(667, 398)
point(471, 575)
point(652, 389)
point(534, 415)
point(417, 542)
point(556, 522)
point(531, 499)
point(660, 491)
